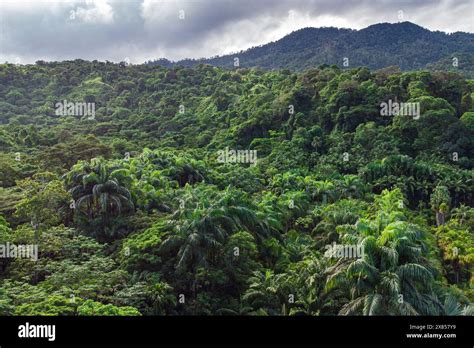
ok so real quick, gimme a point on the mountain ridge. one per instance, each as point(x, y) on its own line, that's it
point(403, 44)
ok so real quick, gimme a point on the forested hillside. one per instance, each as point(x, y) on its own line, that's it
point(146, 206)
point(405, 44)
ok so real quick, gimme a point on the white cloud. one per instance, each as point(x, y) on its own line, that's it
point(95, 11)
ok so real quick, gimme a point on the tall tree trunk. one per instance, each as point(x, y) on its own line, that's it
point(439, 218)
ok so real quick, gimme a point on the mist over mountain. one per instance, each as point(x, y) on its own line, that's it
point(404, 44)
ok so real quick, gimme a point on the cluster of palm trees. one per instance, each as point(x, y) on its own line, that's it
point(394, 275)
point(323, 191)
point(204, 222)
point(103, 191)
point(418, 179)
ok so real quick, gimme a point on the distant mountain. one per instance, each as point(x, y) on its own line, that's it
point(457, 62)
point(406, 45)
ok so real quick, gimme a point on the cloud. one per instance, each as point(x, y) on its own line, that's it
point(140, 30)
point(95, 11)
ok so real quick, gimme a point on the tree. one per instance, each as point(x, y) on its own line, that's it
point(45, 200)
point(144, 212)
point(202, 227)
point(91, 308)
point(440, 200)
point(98, 196)
point(468, 120)
point(392, 276)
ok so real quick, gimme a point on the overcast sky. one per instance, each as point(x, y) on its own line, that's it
point(140, 30)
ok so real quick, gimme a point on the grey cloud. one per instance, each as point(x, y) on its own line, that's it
point(150, 29)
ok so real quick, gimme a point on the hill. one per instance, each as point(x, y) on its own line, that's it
point(405, 45)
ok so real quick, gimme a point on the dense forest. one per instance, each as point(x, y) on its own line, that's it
point(404, 44)
point(206, 191)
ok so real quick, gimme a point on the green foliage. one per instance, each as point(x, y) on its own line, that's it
point(98, 197)
point(91, 308)
point(45, 200)
point(133, 211)
point(468, 119)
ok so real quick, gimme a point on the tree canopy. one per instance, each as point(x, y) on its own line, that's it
point(240, 191)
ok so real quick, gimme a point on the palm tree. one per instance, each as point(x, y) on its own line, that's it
point(264, 292)
point(205, 222)
point(98, 195)
point(352, 186)
point(324, 190)
point(270, 212)
point(186, 171)
point(451, 306)
point(392, 276)
point(148, 184)
point(307, 280)
point(293, 204)
point(440, 200)
point(463, 214)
